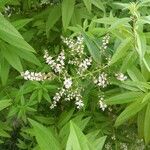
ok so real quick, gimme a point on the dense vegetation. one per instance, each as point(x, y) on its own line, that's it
point(75, 74)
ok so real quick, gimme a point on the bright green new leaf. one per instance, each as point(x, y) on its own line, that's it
point(67, 12)
point(77, 140)
point(44, 137)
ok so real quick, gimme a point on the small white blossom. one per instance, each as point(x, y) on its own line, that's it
point(44, 2)
point(102, 105)
point(33, 76)
point(108, 146)
point(113, 137)
point(79, 103)
point(58, 64)
point(83, 66)
point(121, 76)
point(102, 80)
point(105, 42)
point(76, 45)
point(123, 146)
point(57, 98)
point(67, 83)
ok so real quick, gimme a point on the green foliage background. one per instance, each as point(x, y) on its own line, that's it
point(27, 28)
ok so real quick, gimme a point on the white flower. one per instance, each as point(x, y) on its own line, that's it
point(121, 76)
point(102, 105)
point(123, 146)
point(79, 103)
point(102, 80)
point(76, 45)
point(56, 65)
point(67, 83)
point(34, 76)
point(83, 66)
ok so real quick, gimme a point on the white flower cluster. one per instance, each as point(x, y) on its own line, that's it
point(58, 64)
point(78, 98)
point(68, 96)
point(105, 41)
point(57, 98)
point(76, 45)
point(33, 76)
point(8, 11)
point(108, 146)
point(102, 80)
point(83, 66)
point(79, 103)
point(67, 83)
point(44, 2)
point(123, 146)
point(102, 104)
point(121, 76)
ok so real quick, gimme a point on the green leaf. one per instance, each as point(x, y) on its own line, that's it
point(4, 71)
point(93, 48)
point(123, 98)
point(129, 112)
point(146, 61)
point(26, 55)
point(98, 4)
point(147, 125)
point(119, 23)
point(144, 20)
point(11, 57)
point(87, 4)
point(65, 117)
point(9, 34)
point(53, 17)
point(3, 133)
point(77, 140)
point(141, 44)
point(67, 12)
point(4, 104)
point(140, 122)
point(18, 24)
point(135, 74)
point(99, 143)
point(44, 137)
point(130, 61)
point(121, 50)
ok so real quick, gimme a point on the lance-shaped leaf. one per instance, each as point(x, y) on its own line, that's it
point(44, 137)
point(121, 50)
point(4, 104)
point(123, 98)
point(77, 140)
point(129, 112)
point(67, 12)
point(147, 125)
point(9, 34)
point(93, 48)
